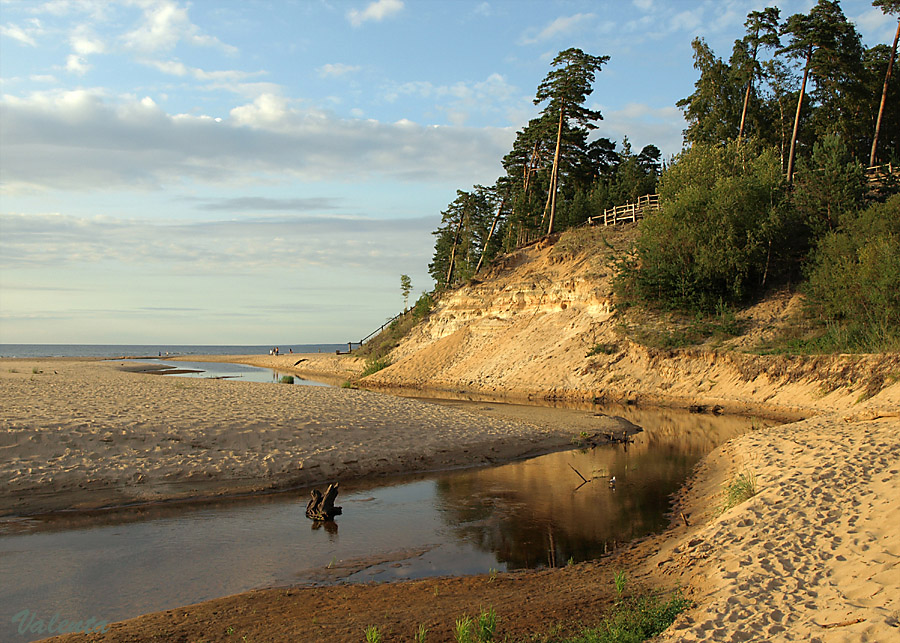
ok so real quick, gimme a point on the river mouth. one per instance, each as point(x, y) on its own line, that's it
point(542, 512)
point(216, 370)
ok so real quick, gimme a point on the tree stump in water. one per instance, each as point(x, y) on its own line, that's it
point(321, 507)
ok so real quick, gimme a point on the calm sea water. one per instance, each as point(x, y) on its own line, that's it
point(138, 350)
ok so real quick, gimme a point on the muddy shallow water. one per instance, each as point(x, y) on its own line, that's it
point(535, 513)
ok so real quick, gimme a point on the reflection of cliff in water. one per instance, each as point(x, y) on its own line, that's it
point(534, 513)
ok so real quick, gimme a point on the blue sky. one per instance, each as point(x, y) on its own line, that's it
point(257, 172)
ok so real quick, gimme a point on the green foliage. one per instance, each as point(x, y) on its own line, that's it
point(423, 306)
point(463, 235)
point(462, 630)
point(379, 346)
point(481, 630)
point(633, 619)
point(603, 349)
point(373, 635)
point(853, 284)
point(742, 488)
point(405, 288)
point(620, 580)
point(719, 235)
point(375, 364)
point(421, 634)
point(828, 186)
point(287, 379)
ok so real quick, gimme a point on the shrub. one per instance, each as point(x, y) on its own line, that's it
point(375, 364)
point(603, 349)
point(720, 234)
point(853, 285)
point(287, 379)
point(634, 619)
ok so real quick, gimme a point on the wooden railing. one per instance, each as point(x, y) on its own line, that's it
point(878, 173)
point(358, 344)
point(628, 213)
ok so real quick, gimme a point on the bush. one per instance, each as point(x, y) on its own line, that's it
point(720, 234)
point(853, 285)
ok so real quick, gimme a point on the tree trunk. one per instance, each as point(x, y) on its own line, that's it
point(453, 251)
point(790, 167)
point(555, 177)
point(490, 234)
point(747, 95)
point(744, 111)
point(884, 91)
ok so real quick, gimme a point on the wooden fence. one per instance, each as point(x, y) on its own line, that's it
point(628, 213)
point(359, 344)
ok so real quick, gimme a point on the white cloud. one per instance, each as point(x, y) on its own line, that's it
point(562, 26)
point(244, 244)
point(75, 64)
point(337, 69)
point(25, 35)
point(84, 140)
point(85, 43)
point(377, 11)
point(178, 68)
point(459, 100)
point(875, 21)
point(164, 25)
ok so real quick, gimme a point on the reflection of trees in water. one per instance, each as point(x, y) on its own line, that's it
point(530, 513)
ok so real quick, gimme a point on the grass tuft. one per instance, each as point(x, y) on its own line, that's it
point(742, 488)
point(375, 364)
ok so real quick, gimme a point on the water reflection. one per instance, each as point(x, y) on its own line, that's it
point(540, 512)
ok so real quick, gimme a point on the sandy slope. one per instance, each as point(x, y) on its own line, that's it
point(815, 555)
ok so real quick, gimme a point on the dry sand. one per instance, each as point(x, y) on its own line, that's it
point(80, 434)
point(814, 556)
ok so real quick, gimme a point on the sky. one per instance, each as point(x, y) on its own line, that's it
point(261, 172)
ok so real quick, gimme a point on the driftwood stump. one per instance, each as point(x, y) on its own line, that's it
point(321, 507)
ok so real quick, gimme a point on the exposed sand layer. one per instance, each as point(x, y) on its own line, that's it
point(80, 434)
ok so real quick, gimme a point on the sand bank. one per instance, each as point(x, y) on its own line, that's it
point(814, 556)
point(81, 434)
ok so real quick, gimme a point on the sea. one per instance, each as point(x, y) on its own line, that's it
point(154, 350)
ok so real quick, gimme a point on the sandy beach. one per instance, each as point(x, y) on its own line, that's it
point(814, 556)
point(83, 434)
